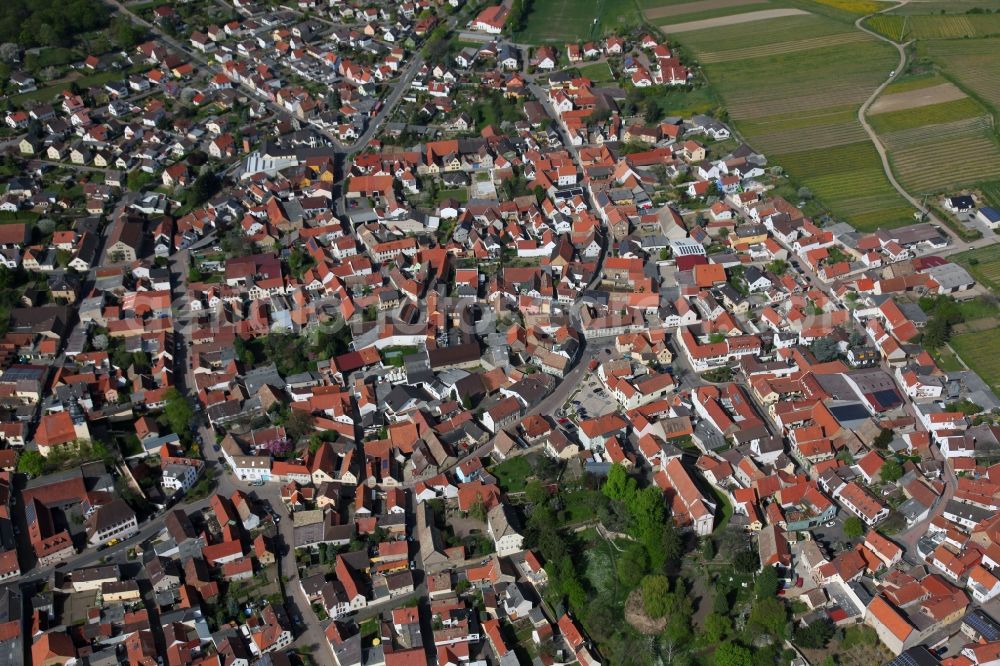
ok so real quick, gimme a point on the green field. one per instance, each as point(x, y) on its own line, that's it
point(984, 264)
point(952, 26)
point(922, 116)
point(571, 21)
point(971, 63)
point(598, 72)
point(966, 153)
point(947, 6)
point(794, 96)
point(991, 190)
point(979, 351)
point(889, 25)
point(675, 19)
point(908, 82)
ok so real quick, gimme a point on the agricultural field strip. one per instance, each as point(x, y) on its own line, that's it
point(655, 13)
point(795, 121)
point(972, 62)
point(748, 105)
point(927, 134)
point(972, 155)
point(970, 160)
point(937, 6)
point(859, 7)
point(953, 27)
point(782, 47)
point(978, 350)
point(734, 19)
point(818, 136)
point(665, 24)
point(912, 99)
point(770, 31)
point(925, 116)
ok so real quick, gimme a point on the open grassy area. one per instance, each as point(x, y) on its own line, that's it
point(570, 21)
point(459, 194)
point(947, 361)
point(512, 473)
point(598, 72)
point(979, 351)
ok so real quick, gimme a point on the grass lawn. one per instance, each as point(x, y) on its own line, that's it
point(947, 361)
point(512, 473)
point(459, 194)
point(579, 506)
point(979, 351)
point(568, 21)
point(724, 510)
point(598, 72)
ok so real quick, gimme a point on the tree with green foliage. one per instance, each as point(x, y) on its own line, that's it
point(769, 615)
point(745, 561)
point(708, 548)
point(717, 627)
point(814, 635)
point(853, 527)
point(824, 349)
point(777, 267)
point(883, 439)
point(177, 411)
point(632, 565)
point(733, 654)
point(31, 463)
point(235, 243)
point(535, 492)
point(126, 33)
point(204, 188)
point(619, 486)
point(655, 595)
point(891, 471)
point(298, 424)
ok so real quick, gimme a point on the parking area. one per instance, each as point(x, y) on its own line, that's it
point(590, 399)
point(832, 538)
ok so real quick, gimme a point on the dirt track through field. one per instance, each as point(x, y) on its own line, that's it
point(912, 99)
point(723, 21)
point(692, 7)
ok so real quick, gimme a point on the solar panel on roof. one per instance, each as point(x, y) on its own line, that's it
point(853, 412)
point(984, 625)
